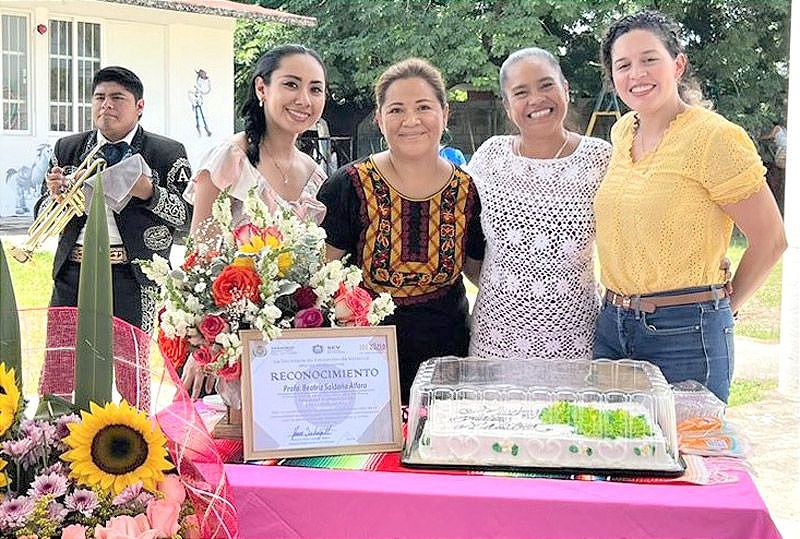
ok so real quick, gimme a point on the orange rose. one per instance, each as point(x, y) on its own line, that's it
point(174, 349)
point(236, 283)
point(352, 306)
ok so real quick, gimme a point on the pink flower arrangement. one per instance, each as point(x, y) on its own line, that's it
point(269, 274)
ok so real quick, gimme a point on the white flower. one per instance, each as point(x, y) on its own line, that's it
point(157, 270)
point(381, 307)
point(200, 287)
point(193, 304)
point(221, 211)
point(228, 340)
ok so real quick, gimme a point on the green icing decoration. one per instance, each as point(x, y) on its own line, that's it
point(573, 448)
point(497, 448)
point(594, 423)
point(515, 450)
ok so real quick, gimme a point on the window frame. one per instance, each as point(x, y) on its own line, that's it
point(29, 53)
point(77, 107)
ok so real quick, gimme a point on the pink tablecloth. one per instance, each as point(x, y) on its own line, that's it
point(301, 502)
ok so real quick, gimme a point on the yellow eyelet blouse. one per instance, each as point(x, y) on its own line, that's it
point(660, 225)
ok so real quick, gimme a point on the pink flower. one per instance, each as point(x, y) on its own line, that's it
point(74, 531)
point(172, 489)
point(211, 326)
point(305, 297)
point(163, 516)
point(352, 306)
point(126, 527)
point(231, 372)
point(308, 318)
point(243, 234)
point(190, 527)
point(203, 356)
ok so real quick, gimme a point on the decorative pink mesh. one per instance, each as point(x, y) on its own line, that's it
point(48, 335)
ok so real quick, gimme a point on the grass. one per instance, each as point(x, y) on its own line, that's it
point(33, 284)
point(747, 391)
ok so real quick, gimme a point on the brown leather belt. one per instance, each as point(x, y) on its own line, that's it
point(649, 304)
point(117, 253)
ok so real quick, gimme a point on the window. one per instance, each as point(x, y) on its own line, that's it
point(14, 32)
point(74, 59)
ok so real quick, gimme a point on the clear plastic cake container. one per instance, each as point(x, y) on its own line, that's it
point(599, 417)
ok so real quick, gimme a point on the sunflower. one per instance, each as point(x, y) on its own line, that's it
point(114, 447)
point(9, 398)
point(3, 475)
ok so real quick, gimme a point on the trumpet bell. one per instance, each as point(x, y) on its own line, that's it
point(58, 212)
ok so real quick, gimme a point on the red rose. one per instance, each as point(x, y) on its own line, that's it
point(174, 349)
point(211, 326)
point(232, 372)
point(308, 318)
point(203, 356)
point(190, 262)
point(305, 297)
point(352, 306)
point(236, 283)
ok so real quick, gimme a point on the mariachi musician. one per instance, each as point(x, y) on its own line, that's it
point(144, 177)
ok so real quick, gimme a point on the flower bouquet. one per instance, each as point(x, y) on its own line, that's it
point(267, 274)
point(99, 475)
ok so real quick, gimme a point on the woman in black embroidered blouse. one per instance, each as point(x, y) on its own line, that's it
point(410, 219)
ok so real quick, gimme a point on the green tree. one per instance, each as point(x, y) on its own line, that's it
point(739, 48)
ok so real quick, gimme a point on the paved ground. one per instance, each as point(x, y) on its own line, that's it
point(772, 424)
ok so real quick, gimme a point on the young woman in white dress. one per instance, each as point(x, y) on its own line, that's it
point(286, 97)
point(537, 295)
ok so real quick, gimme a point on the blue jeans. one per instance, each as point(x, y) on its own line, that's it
point(687, 342)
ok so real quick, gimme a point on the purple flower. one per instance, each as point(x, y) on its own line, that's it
point(83, 501)
point(62, 430)
point(18, 449)
point(57, 467)
point(15, 511)
point(128, 494)
point(56, 511)
point(51, 483)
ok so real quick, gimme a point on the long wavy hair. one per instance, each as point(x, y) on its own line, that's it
point(669, 33)
point(255, 124)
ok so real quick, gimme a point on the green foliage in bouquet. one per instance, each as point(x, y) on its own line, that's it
point(94, 362)
point(595, 423)
point(10, 345)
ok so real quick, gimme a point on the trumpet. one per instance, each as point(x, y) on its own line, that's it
point(59, 210)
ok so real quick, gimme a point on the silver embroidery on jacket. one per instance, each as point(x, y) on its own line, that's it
point(157, 238)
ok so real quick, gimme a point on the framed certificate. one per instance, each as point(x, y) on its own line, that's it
point(321, 391)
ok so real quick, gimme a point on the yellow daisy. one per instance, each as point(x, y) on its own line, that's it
point(9, 398)
point(116, 446)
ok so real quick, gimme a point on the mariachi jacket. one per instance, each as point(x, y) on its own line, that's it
point(147, 227)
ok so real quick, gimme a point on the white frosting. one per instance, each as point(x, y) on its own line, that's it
point(510, 433)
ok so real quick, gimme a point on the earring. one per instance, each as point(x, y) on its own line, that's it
point(383, 144)
point(260, 103)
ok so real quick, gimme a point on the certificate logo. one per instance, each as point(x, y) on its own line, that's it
point(317, 349)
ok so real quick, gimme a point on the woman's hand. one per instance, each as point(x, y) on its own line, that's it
point(194, 378)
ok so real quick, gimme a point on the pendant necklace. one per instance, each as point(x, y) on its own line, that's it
point(557, 154)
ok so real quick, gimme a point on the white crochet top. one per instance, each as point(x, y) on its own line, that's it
point(537, 296)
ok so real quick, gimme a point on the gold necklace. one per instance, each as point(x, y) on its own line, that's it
point(280, 170)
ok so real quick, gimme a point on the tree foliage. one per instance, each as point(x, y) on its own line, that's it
point(739, 47)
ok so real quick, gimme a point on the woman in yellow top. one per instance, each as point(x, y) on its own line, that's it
point(680, 177)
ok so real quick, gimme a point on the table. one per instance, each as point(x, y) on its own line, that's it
point(276, 501)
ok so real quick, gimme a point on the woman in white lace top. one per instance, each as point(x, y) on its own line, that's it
point(537, 295)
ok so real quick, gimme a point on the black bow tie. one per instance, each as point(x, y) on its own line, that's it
point(114, 153)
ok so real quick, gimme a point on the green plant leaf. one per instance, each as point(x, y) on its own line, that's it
point(94, 362)
point(51, 406)
point(10, 344)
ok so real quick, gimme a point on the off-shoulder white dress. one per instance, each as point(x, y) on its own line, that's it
point(228, 166)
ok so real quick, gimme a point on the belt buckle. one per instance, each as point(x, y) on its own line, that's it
point(626, 302)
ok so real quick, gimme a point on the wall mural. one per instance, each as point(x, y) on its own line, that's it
point(202, 85)
point(22, 184)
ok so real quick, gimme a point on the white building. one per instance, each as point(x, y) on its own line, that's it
point(181, 49)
